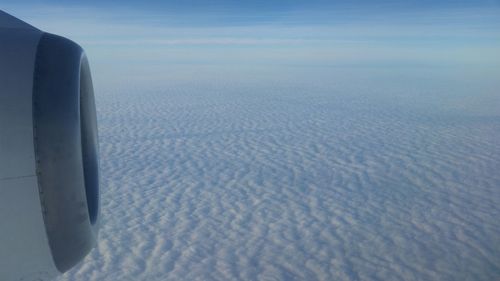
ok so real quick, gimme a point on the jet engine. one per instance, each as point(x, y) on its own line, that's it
point(49, 168)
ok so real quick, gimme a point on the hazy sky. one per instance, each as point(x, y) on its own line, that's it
point(149, 40)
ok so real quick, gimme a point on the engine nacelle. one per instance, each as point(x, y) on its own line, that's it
point(49, 170)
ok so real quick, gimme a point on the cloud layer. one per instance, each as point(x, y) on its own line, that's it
point(355, 178)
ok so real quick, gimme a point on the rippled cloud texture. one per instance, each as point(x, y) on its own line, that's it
point(359, 143)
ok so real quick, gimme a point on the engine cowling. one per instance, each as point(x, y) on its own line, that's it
point(49, 167)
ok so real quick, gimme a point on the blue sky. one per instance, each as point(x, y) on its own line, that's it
point(249, 12)
point(151, 40)
point(257, 6)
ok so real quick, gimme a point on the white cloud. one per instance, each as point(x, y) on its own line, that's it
point(305, 176)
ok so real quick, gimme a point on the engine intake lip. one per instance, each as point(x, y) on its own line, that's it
point(66, 149)
point(90, 146)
